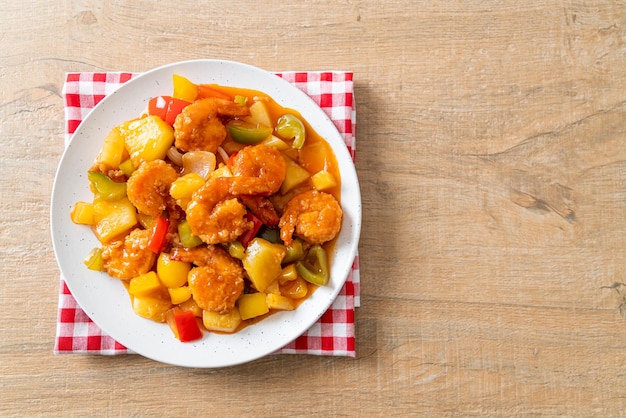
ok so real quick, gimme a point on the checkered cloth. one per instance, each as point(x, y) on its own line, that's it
point(333, 333)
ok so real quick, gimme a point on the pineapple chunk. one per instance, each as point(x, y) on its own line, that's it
point(279, 302)
point(112, 219)
point(172, 273)
point(183, 188)
point(273, 287)
point(296, 175)
point(151, 308)
point(147, 139)
point(191, 305)
point(276, 142)
point(262, 261)
point(323, 180)
point(222, 171)
point(113, 150)
point(82, 213)
point(221, 322)
point(252, 305)
point(259, 115)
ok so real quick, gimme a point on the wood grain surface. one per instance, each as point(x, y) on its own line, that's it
point(490, 151)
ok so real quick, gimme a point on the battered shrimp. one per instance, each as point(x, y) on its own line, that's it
point(315, 217)
point(215, 215)
point(258, 170)
point(199, 128)
point(130, 257)
point(262, 208)
point(148, 187)
point(217, 281)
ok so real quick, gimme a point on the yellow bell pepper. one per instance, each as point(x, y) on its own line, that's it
point(147, 284)
point(179, 294)
point(295, 289)
point(184, 89)
point(172, 273)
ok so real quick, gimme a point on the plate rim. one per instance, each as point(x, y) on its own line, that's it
point(137, 80)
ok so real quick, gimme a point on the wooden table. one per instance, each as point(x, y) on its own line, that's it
point(492, 165)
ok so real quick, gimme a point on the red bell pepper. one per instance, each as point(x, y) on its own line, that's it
point(166, 107)
point(187, 326)
point(159, 232)
point(250, 233)
point(231, 160)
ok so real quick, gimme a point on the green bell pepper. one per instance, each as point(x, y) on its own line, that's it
point(106, 188)
point(293, 252)
point(248, 133)
point(236, 250)
point(314, 266)
point(289, 126)
point(94, 260)
point(187, 238)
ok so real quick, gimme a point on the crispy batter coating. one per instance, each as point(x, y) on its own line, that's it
point(314, 216)
point(258, 170)
point(129, 257)
point(148, 188)
point(262, 208)
point(217, 281)
point(199, 128)
point(214, 215)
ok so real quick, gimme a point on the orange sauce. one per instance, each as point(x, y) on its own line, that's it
point(315, 155)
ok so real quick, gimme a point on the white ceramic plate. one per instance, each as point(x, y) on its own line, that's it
point(106, 301)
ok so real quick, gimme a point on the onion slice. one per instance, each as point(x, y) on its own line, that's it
point(175, 156)
point(222, 152)
point(200, 162)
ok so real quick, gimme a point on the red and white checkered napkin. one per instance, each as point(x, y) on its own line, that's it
point(333, 333)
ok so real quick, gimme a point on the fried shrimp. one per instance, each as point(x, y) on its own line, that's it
point(215, 215)
point(148, 187)
point(130, 257)
point(258, 170)
point(199, 127)
point(217, 281)
point(314, 216)
point(262, 208)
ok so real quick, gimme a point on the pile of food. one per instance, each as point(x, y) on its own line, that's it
point(215, 208)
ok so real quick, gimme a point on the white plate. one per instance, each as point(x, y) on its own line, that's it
point(106, 301)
